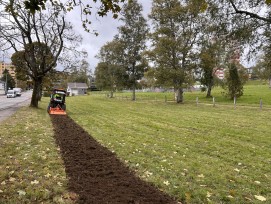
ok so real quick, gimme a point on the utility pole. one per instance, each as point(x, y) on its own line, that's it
point(3, 65)
point(6, 82)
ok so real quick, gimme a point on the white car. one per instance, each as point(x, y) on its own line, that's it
point(18, 91)
point(11, 94)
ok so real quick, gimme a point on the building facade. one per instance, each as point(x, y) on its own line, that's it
point(232, 54)
point(9, 67)
point(74, 89)
point(2, 87)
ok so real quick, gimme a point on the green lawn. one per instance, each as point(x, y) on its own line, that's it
point(31, 170)
point(254, 91)
point(198, 154)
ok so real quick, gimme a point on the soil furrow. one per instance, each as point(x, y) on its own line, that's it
point(95, 174)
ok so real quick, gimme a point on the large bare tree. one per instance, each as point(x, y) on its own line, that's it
point(37, 35)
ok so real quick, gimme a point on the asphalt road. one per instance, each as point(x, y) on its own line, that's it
point(8, 106)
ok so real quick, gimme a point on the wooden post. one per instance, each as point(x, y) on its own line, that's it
point(261, 104)
point(165, 98)
point(213, 101)
point(197, 101)
point(234, 101)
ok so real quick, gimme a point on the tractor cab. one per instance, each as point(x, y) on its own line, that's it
point(57, 104)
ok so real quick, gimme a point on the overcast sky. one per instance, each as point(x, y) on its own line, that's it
point(105, 26)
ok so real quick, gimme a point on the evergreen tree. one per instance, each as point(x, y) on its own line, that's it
point(235, 80)
point(6, 77)
point(209, 61)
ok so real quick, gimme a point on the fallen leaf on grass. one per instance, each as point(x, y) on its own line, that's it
point(11, 179)
point(258, 182)
point(208, 194)
point(148, 174)
point(261, 198)
point(21, 192)
point(166, 183)
point(59, 183)
point(247, 198)
point(47, 175)
point(34, 182)
point(3, 183)
point(71, 195)
point(229, 196)
point(188, 197)
point(201, 176)
point(1, 191)
point(236, 170)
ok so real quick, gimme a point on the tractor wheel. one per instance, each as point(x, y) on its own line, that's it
point(64, 107)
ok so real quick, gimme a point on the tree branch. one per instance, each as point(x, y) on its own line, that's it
point(250, 14)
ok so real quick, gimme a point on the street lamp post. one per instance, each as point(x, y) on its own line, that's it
point(6, 82)
point(3, 63)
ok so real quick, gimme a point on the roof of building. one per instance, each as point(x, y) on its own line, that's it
point(77, 85)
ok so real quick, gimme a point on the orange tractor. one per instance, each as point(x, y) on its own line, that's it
point(57, 104)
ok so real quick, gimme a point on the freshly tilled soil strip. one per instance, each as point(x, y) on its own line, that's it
point(95, 174)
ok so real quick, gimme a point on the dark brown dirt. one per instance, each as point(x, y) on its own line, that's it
point(95, 174)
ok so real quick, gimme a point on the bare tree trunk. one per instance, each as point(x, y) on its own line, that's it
point(134, 84)
point(269, 82)
point(134, 96)
point(179, 95)
point(40, 92)
point(209, 89)
point(36, 92)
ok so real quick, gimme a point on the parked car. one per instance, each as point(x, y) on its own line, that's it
point(18, 91)
point(11, 94)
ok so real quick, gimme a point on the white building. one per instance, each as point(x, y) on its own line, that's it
point(75, 89)
point(2, 87)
